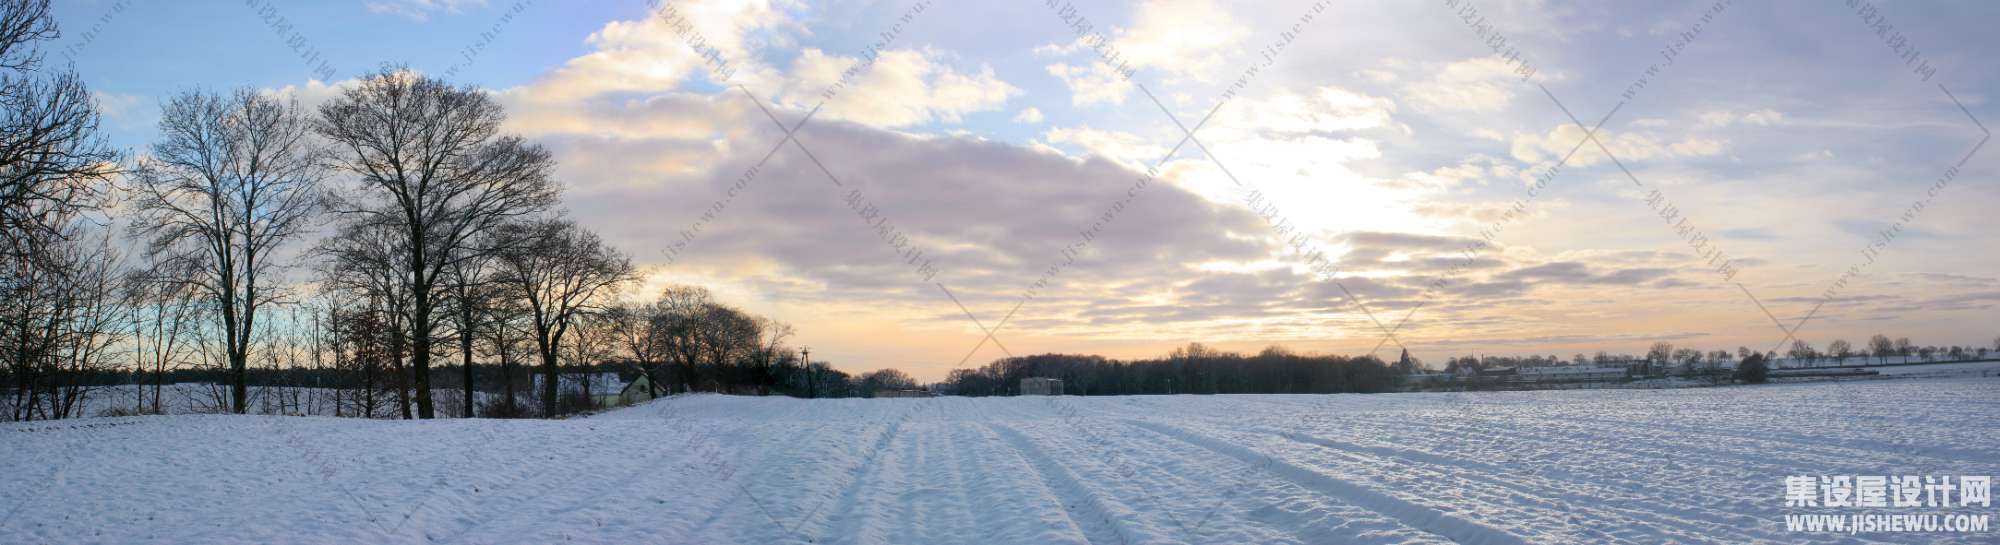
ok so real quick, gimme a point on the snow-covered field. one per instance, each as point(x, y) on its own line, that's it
point(1589, 466)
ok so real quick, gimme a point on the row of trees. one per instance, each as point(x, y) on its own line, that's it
point(1882, 348)
point(1662, 355)
point(1194, 369)
point(438, 247)
point(56, 288)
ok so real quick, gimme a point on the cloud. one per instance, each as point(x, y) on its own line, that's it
point(126, 110)
point(1323, 110)
point(1764, 117)
point(1573, 273)
point(795, 224)
point(1093, 83)
point(1122, 146)
point(1481, 85)
point(1628, 146)
point(1159, 38)
point(1486, 213)
point(901, 88)
point(653, 55)
point(1030, 115)
point(420, 10)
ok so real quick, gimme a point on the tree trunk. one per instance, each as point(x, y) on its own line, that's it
point(401, 380)
point(507, 383)
point(465, 349)
point(420, 356)
point(548, 383)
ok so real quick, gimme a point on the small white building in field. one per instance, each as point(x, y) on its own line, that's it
point(1038, 386)
point(638, 391)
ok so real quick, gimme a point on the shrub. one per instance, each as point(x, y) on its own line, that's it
point(1753, 370)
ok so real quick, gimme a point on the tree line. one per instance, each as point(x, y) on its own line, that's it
point(1663, 355)
point(366, 246)
point(1192, 369)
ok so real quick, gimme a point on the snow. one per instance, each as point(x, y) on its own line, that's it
point(1702, 465)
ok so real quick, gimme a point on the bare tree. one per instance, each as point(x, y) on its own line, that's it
point(1839, 349)
point(638, 329)
point(504, 318)
point(775, 333)
point(1801, 351)
point(59, 321)
point(728, 336)
point(432, 163)
point(682, 309)
point(558, 271)
point(231, 180)
point(366, 260)
point(53, 161)
point(1881, 347)
point(163, 317)
point(470, 295)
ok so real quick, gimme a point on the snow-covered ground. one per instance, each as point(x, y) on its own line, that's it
point(1590, 466)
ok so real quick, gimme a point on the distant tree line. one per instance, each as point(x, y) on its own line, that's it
point(686, 341)
point(1193, 369)
point(1663, 355)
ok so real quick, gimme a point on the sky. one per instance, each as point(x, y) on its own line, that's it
point(1361, 176)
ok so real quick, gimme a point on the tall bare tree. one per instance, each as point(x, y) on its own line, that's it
point(470, 296)
point(163, 316)
point(768, 354)
point(681, 310)
point(638, 329)
point(431, 162)
point(53, 161)
point(59, 321)
point(558, 271)
point(232, 179)
point(365, 260)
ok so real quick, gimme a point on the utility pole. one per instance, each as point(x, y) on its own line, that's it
point(812, 380)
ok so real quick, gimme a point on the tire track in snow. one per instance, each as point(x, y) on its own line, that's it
point(1564, 499)
point(561, 480)
point(935, 500)
point(1099, 523)
point(1012, 509)
point(1298, 506)
point(770, 458)
point(845, 498)
point(860, 511)
point(1654, 467)
point(1411, 514)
